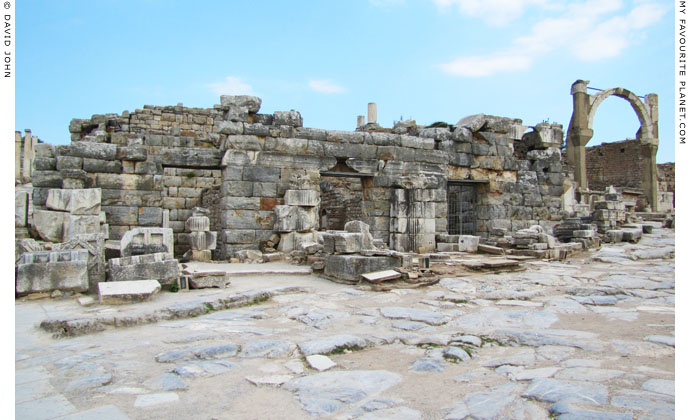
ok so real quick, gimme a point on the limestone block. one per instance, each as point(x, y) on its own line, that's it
point(46, 179)
point(25, 245)
point(150, 216)
point(69, 162)
point(50, 224)
point(159, 266)
point(190, 157)
point(79, 201)
point(45, 271)
point(44, 164)
point(125, 292)
point(295, 218)
point(239, 236)
point(91, 150)
point(199, 255)
point(302, 198)
point(21, 208)
point(201, 241)
point(247, 219)
point(208, 279)
point(197, 224)
point(294, 240)
point(632, 235)
point(241, 142)
point(468, 243)
point(80, 224)
point(229, 127)
point(250, 103)
point(135, 153)
point(147, 240)
point(349, 268)
point(614, 236)
point(290, 118)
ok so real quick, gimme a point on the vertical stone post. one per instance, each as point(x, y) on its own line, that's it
point(371, 113)
point(26, 158)
point(17, 155)
point(578, 132)
point(649, 178)
point(360, 121)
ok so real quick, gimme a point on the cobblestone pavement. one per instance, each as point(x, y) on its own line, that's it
point(592, 337)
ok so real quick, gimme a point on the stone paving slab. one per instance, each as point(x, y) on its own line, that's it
point(44, 408)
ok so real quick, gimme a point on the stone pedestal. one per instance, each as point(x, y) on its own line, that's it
point(201, 239)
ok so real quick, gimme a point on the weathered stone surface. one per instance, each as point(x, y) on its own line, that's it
point(147, 240)
point(209, 279)
point(158, 266)
point(267, 348)
point(421, 315)
point(290, 118)
point(76, 225)
point(201, 241)
point(552, 390)
point(320, 362)
point(349, 268)
point(325, 393)
point(50, 224)
point(428, 364)
point(468, 243)
point(91, 150)
point(86, 201)
point(45, 271)
point(166, 382)
point(189, 157)
point(295, 218)
point(302, 198)
point(21, 208)
point(332, 344)
point(250, 103)
point(126, 292)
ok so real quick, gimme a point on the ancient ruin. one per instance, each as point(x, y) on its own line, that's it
point(480, 256)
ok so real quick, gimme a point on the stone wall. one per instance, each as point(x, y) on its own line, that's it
point(619, 163)
point(341, 202)
point(168, 158)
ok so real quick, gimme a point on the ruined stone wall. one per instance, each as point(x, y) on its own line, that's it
point(619, 163)
point(666, 175)
point(341, 202)
point(162, 160)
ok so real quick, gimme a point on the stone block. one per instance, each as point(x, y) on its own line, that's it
point(97, 165)
point(150, 216)
point(159, 266)
point(147, 240)
point(468, 243)
point(201, 241)
point(44, 164)
point(45, 271)
point(197, 224)
point(349, 268)
point(264, 189)
point(613, 236)
point(250, 103)
point(135, 153)
point(289, 118)
point(21, 208)
point(230, 127)
point(126, 292)
point(294, 240)
point(585, 233)
point(631, 235)
point(295, 218)
point(80, 224)
point(69, 162)
point(46, 179)
point(86, 201)
point(121, 215)
point(240, 236)
point(91, 150)
point(242, 142)
point(208, 279)
point(447, 247)
point(50, 224)
point(302, 198)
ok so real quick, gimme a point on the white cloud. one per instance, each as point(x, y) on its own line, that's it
point(588, 30)
point(326, 86)
point(494, 12)
point(231, 86)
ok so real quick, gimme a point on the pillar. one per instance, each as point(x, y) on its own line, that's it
point(17, 155)
point(26, 158)
point(578, 132)
point(371, 113)
point(649, 176)
point(360, 121)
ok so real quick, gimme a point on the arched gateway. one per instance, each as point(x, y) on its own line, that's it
point(580, 132)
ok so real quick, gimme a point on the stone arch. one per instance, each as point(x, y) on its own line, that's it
point(641, 109)
point(580, 131)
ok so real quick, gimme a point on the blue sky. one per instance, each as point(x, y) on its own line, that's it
point(429, 60)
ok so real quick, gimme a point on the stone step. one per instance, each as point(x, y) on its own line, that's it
point(447, 247)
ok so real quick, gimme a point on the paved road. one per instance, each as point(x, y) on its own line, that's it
point(589, 338)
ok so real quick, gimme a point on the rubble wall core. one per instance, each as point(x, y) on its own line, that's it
point(154, 165)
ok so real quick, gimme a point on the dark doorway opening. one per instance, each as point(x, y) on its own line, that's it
point(462, 208)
